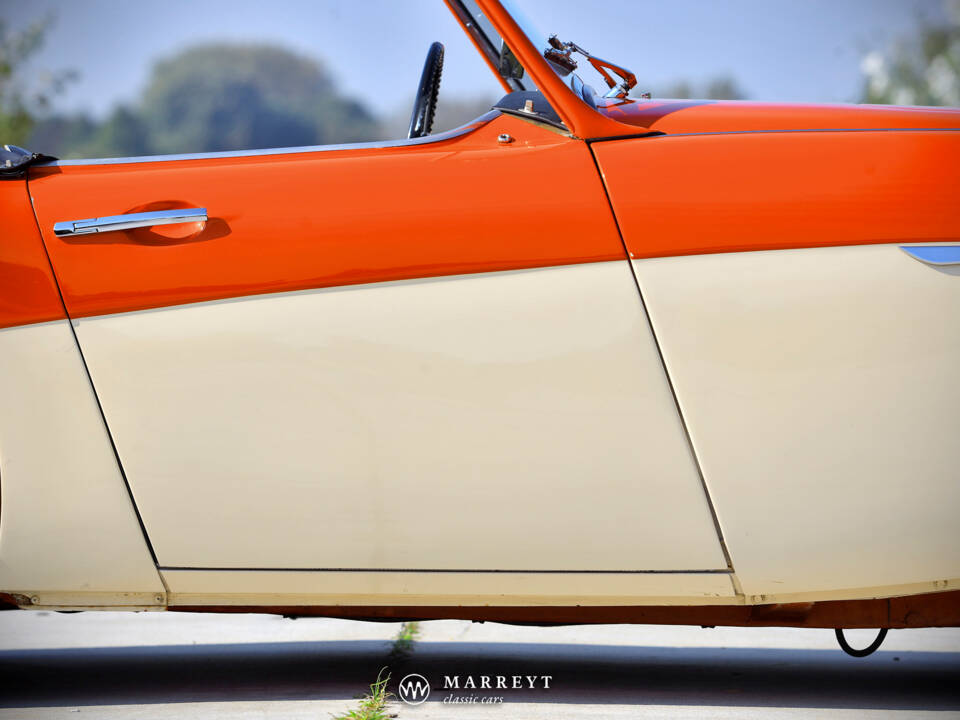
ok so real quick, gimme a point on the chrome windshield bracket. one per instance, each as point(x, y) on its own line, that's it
point(559, 53)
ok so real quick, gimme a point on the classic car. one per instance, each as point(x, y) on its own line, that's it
point(591, 357)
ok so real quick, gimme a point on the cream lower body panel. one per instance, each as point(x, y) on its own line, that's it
point(516, 420)
point(231, 587)
point(68, 531)
point(293, 588)
point(821, 388)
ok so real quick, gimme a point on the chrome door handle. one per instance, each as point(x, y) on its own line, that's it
point(111, 223)
point(934, 254)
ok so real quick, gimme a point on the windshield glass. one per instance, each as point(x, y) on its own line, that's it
point(491, 43)
point(532, 32)
point(563, 57)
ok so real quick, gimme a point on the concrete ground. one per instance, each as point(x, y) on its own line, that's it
point(170, 665)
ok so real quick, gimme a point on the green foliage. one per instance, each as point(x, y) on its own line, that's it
point(53, 135)
point(923, 70)
point(222, 97)
point(228, 97)
point(373, 705)
point(219, 97)
point(17, 107)
point(403, 643)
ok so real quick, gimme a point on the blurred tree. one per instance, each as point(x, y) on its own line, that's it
point(17, 107)
point(218, 97)
point(452, 112)
point(718, 88)
point(924, 70)
point(122, 133)
point(228, 97)
point(62, 135)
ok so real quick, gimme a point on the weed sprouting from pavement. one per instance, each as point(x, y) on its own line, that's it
point(373, 705)
point(403, 642)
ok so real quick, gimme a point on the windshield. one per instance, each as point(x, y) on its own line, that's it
point(558, 54)
point(490, 42)
point(532, 32)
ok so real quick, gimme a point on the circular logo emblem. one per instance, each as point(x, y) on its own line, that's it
point(414, 689)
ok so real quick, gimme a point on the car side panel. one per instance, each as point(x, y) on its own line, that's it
point(28, 291)
point(714, 193)
point(459, 378)
point(326, 219)
point(68, 531)
point(819, 383)
point(822, 395)
point(497, 421)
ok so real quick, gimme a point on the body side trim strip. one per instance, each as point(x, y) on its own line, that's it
point(725, 571)
point(784, 131)
point(449, 135)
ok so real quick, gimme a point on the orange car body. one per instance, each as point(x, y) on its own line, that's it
point(665, 188)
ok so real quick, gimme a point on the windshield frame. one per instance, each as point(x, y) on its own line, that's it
point(489, 41)
point(485, 38)
point(581, 117)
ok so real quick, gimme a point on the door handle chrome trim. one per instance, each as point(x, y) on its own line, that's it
point(934, 254)
point(111, 223)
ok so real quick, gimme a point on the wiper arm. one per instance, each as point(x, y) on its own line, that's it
point(559, 53)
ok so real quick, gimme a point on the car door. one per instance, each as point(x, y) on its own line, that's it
point(813, 351)
point(421, 355)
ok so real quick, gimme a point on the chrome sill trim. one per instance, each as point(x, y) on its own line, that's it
point(448, 135)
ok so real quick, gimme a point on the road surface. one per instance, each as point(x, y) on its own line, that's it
point(171, 665)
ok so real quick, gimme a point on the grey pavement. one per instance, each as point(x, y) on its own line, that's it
point(172, 665)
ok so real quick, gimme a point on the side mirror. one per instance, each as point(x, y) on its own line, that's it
point(509, 66)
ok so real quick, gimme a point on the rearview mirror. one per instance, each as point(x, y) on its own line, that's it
point(510, 67)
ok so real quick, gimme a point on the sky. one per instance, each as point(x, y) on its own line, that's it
point(777, 50)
